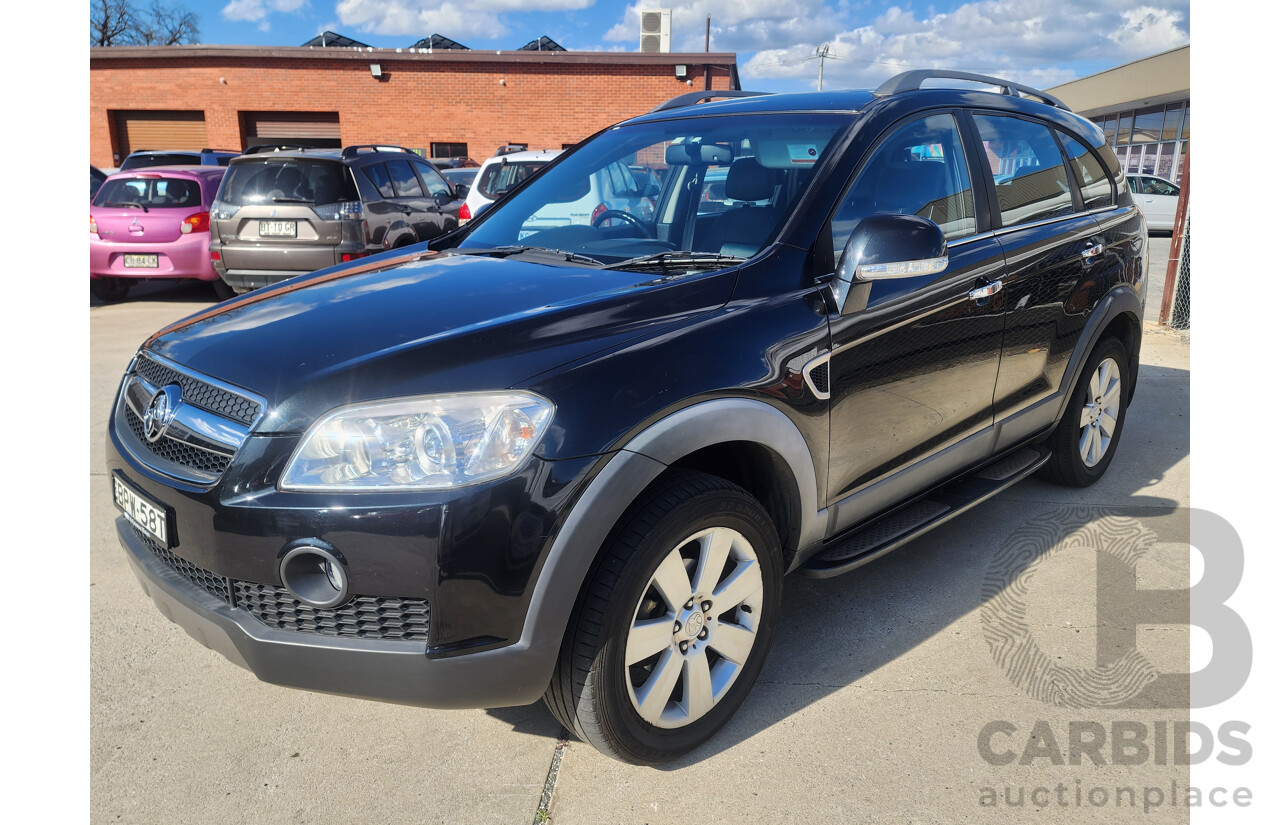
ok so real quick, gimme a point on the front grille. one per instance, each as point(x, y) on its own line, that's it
point(212, 583)
point(364, 617)
point(194, 391)
point(175, 451)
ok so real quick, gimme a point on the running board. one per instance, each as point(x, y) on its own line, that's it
point(889, 532)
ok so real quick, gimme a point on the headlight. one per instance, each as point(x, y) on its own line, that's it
point(431, 442)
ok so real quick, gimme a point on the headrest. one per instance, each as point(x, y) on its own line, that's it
point(749, 181)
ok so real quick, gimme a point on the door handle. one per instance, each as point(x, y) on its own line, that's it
point(1092, 251)
point(985, 291)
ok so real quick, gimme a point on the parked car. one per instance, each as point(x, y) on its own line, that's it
point(151, 223)
point(501, 173)
point(1157, 198)
point(612, 196)
point(145, 158)
point(575, 461)
point(96, 177)
point(285, 213)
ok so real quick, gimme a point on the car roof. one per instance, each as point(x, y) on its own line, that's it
point(176, 170)
point(531, 154)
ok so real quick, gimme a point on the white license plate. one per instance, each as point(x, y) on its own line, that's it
point(142, 261)
point(149, 518)
point(277, 229)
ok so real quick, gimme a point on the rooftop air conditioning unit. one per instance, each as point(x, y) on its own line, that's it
point(655, 30)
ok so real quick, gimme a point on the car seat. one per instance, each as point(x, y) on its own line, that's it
point(742, 230)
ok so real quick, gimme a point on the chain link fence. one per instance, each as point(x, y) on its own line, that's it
point(1180, 314)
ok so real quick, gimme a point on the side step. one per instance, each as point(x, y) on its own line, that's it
point(873, 539)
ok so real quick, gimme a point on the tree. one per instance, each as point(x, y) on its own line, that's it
point(120, 23)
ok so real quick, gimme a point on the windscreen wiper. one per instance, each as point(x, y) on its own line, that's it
point(293, 200)
point(508, 251)
point(677, 259)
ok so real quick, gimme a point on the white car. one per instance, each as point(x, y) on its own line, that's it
point(610, 198)
point(499, 174)
point(1157, 198)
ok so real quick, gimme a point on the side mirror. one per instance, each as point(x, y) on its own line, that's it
point(889, 246)
point(461, 191)
point(650, 191)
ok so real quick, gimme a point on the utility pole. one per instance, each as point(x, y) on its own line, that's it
point(822, 52)
point(706, 46)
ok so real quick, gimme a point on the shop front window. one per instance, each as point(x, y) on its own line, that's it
point(1147, 124)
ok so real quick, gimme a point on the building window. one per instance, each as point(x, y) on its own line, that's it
point(448, 150)
point(1148, 124)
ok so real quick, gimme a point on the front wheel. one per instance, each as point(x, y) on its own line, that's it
point(674, 623)
point(1085, 441)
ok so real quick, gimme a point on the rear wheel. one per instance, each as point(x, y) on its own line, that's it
point(674, 623)
point(1085, 441)
point(222, 289)
point(109, 290)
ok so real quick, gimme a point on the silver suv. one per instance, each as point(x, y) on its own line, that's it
point(284, 213)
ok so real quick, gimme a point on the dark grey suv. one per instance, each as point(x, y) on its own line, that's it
point(284, 213)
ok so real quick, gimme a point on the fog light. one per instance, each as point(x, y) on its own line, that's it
point(315, 576)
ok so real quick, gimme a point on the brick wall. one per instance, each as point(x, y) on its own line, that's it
point(542, 104)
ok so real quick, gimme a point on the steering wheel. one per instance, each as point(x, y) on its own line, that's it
point(626, 217)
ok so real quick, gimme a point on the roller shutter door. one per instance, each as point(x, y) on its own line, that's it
point(319, 129)
point(160, 130)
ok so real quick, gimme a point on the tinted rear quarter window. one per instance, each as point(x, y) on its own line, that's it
point(1030, 177)
point(321, 182)
point(1095, 186)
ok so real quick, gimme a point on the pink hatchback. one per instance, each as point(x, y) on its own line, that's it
point(152, 223)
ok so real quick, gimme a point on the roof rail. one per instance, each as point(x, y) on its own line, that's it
point(912, 81)
point(351, 151)
point(276, 147)
point(233, 151)
point(691, 98)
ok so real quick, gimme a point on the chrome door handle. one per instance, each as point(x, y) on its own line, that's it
point(1092, 251)
point(985, 291)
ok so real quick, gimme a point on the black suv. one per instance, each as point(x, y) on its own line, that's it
point(575, 461)
point(285, 210)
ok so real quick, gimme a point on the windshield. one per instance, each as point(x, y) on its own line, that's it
point(288, 180)
point(151, 193)
point(715, 187)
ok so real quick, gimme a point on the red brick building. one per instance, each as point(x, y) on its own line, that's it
point(444, 103)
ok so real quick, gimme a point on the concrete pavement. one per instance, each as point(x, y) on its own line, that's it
point(870, 708)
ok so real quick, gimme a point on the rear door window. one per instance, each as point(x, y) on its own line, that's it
point(1027, 168)
point(380, 178)
point(151, 193)
point(1095, 185)
point(403, 179)
point(288, 180)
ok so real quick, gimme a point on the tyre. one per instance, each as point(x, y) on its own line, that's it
point(674, 622)
point(222, 289)
point(109, 290)
point(1085, 440)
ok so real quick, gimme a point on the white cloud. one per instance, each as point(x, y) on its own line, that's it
point(452, 18)
point(746, 25)
point(255, 10)
point(1033, 41)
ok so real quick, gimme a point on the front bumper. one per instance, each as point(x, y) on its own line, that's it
point(388, 671)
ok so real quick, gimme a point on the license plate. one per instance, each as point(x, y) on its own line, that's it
point(148, 516)
point(141, 261)
point(277, 229)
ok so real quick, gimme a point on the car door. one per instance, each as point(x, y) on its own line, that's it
point(1158, 200)
point(420, 210)
point(443, 201)
point(1053, 250)
point(914, 360)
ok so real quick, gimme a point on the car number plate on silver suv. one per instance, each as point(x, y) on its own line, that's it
point(148, 516)
point(277, 229)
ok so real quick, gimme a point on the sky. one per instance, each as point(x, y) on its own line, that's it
point(1039, 42)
